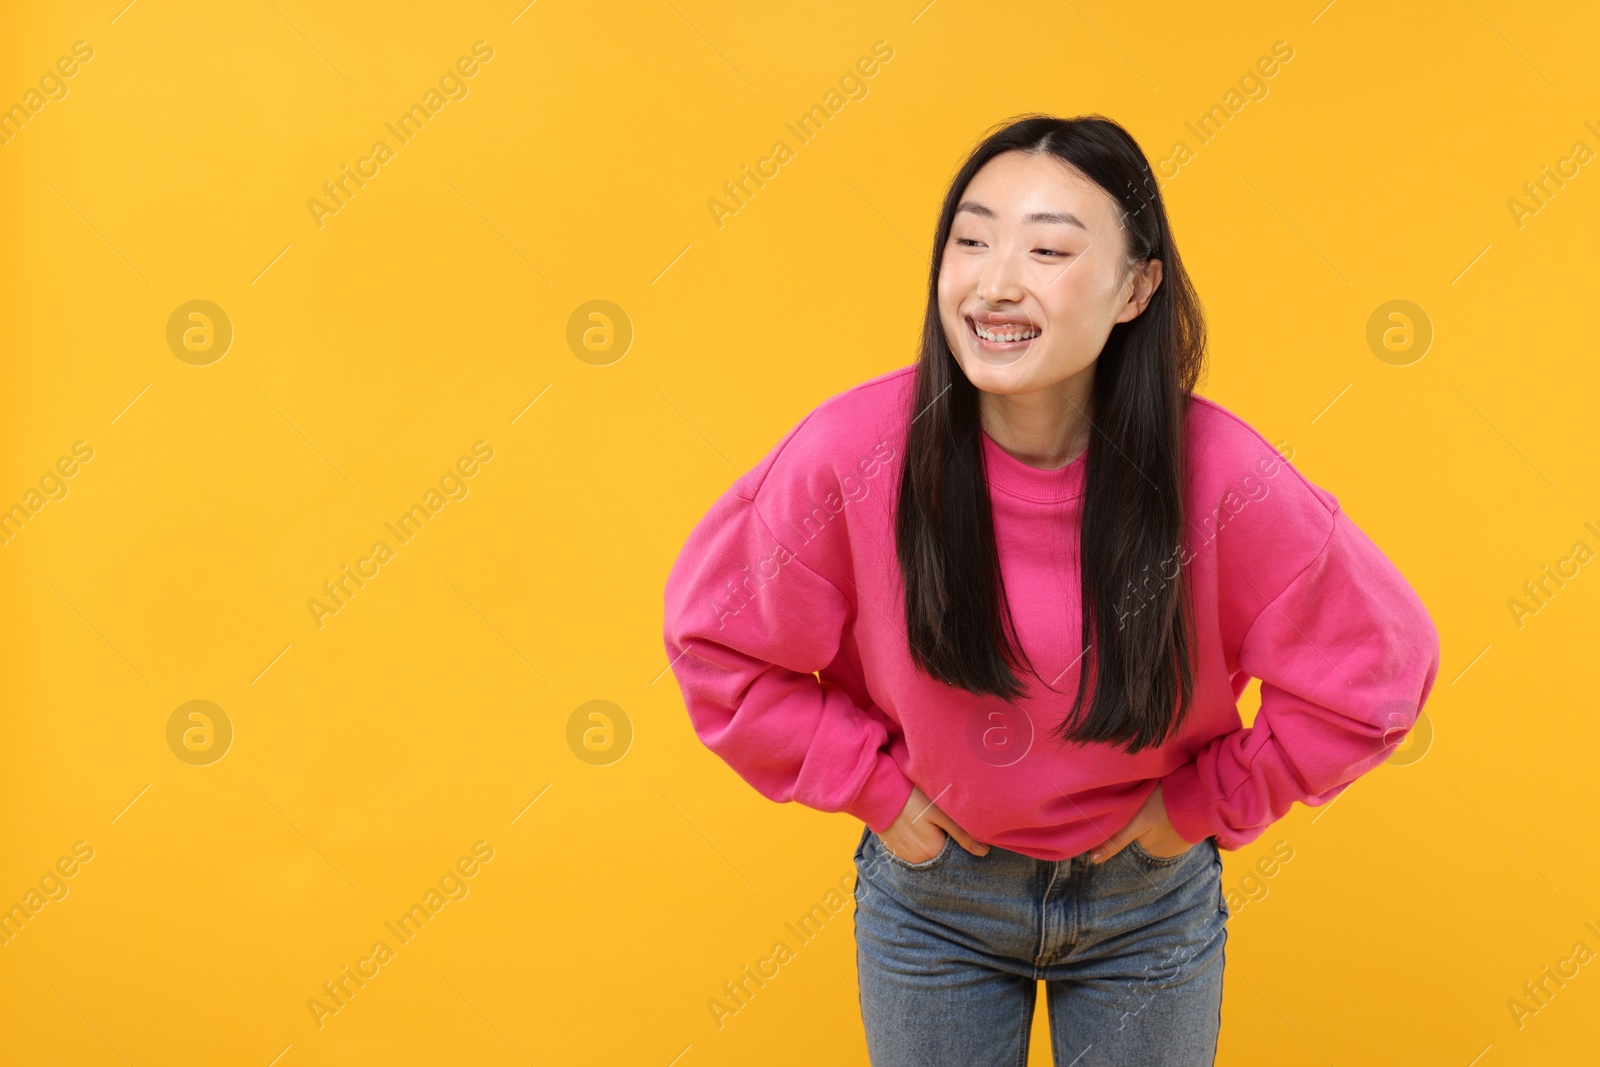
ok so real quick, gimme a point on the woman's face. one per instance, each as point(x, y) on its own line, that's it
point(1035, 245)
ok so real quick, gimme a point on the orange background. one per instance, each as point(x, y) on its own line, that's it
point(451, 300)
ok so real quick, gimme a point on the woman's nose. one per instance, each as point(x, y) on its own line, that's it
point(998, 283)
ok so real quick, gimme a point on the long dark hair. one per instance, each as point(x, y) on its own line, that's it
point(1137, 614)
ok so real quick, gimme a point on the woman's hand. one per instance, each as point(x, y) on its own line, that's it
point(1151, 828)
point(918, 834)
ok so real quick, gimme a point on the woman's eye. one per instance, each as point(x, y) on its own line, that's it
point(968, 242)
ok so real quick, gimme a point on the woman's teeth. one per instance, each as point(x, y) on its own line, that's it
point(1004, 333)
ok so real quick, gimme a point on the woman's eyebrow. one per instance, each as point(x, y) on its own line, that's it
point(1064, 217)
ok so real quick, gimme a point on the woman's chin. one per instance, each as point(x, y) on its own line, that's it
point(996, 372)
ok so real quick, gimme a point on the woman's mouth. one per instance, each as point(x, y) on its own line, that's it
point(1002, 337)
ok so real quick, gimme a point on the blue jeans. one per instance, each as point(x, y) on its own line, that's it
point(949, 950)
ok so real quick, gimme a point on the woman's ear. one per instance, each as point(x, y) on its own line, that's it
point(1145, 283)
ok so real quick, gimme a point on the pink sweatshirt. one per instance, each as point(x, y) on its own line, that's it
point(785, 629)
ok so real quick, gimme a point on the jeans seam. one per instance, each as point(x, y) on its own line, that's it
point(1039, 961)
point(1027, 1027)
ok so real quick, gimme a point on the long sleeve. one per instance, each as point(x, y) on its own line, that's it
point(1347, 656)
point(747, 623)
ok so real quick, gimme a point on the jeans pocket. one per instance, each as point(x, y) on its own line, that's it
point(928, 864)
point(1138, 853)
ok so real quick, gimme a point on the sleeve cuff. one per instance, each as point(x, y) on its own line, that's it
point(883, 795)
point(1184, 798)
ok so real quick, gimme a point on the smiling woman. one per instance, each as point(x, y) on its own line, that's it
point(1020, 671)
point(1051, 251)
